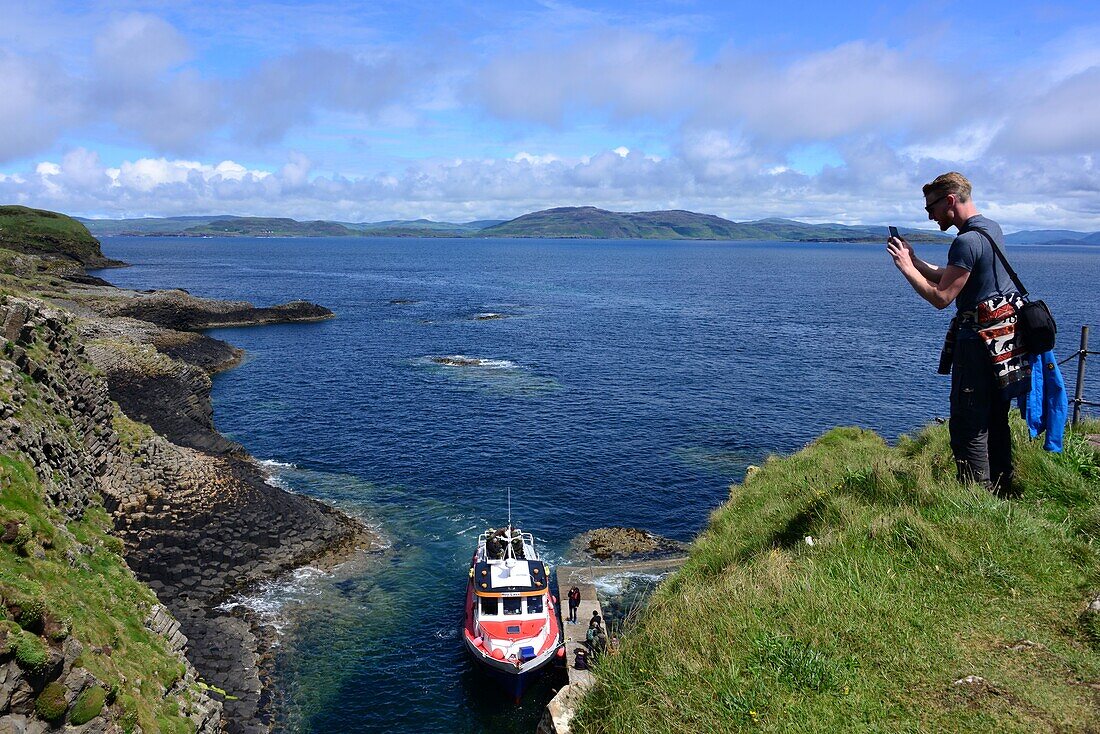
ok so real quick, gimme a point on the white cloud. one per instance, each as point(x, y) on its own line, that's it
point(148, 174)
point(854, 88)
point(140, 81)
point(138, 48)
point(37, 103)
point(289, 91)
point(536, 160)
point(626, 74)
point(966, 144)
point(710, 173)
point(1065, 119)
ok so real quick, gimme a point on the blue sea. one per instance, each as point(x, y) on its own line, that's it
point(621, 383)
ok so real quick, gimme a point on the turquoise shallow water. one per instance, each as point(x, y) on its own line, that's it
point(628, 384)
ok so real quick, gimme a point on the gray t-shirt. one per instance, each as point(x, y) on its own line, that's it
point(972, 252)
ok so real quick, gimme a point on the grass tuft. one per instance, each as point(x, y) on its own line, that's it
point(795, 663)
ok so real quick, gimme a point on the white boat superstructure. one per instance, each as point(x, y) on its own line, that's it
point(511, 623)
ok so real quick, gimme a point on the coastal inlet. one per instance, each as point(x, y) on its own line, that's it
point(647, 376)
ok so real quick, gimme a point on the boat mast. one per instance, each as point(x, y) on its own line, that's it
point(509, 550)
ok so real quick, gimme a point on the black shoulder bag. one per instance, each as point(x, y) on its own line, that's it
point(1034, 320)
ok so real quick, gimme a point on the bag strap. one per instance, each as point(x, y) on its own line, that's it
point(1004, 261)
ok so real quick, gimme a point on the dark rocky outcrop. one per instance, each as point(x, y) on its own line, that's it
point(179, 310)
point(197, 518)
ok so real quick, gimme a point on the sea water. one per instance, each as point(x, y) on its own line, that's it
point(618, 383)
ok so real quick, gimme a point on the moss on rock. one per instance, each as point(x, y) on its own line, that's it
point(51, 704)
point(31, 653)
point(88, 705)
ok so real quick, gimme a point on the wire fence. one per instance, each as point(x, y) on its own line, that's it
point(1079, 391)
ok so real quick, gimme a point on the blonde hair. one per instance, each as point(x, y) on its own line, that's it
point(948, 183)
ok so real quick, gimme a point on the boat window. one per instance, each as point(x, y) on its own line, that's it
point(513, 605)
point(534, 605)
point(488, 605)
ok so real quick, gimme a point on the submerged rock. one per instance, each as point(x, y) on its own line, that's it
point(459, 361)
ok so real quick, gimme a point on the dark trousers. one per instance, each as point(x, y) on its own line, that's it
point(980, 438)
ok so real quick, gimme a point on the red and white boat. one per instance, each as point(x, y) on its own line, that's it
point(512, 626)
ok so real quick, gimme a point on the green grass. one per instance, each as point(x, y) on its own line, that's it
point(39, 231)
point(913, 582)
point(97, 598)
point(131, 433)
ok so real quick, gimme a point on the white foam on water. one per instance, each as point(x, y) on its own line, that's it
point(275, 465)
point(272, 597)
point(274, 469)
point(277, 481)
point(616, 583)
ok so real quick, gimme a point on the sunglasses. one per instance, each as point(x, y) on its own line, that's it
point(937, 201)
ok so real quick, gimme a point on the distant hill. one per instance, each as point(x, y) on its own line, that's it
point(147, 225)
point(593, 223)
point(226, 225)
point(41, 232)
point(269, 227)
point(565, 222)
point(425, 224)
point(582, 222)
point(1046, 236)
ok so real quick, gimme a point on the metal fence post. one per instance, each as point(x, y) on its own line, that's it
point(1079, 393)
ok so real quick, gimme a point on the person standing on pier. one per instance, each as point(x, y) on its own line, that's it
point(574, 602)
point(981, 351)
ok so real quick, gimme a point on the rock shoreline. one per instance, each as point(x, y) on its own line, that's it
point(197, 517)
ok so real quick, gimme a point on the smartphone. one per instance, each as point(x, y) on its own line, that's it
point(894, 232)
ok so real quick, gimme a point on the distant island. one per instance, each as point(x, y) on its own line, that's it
point(585, 222)
point(569, 222)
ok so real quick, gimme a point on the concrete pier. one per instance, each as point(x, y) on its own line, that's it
point(560, 710)
point(568, 577)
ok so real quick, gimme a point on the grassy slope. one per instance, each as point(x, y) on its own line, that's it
point(83, 580)
point(913, 582)
point(43, 232)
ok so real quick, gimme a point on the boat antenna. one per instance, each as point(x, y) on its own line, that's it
point(509, 509)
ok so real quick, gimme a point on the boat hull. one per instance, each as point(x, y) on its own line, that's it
point(515, 680)
point(498, 639)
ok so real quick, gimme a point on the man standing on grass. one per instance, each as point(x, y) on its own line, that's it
point(981, 351)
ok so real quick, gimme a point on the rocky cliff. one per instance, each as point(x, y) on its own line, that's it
point(106, 420)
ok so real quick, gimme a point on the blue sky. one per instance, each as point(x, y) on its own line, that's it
point(466, 110)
